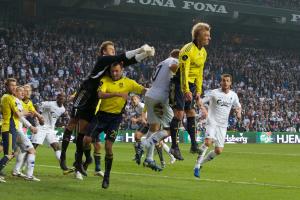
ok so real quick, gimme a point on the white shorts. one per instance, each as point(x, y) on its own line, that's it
point(152, 118)
point(42, 134)
point(23, 142)
point(217, 134)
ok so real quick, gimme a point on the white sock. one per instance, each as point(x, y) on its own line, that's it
point(150, 152)
point(146, 143)
point(24, 166)
point(57, 154)
point(167, 149)
point(30, 164)
point(201, 156)
point(130, 54)
point(19, 161)
point(211, 155)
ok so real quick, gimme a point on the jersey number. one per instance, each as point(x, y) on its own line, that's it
point(156, 72)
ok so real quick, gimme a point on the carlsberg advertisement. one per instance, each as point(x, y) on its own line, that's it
point(232, 137)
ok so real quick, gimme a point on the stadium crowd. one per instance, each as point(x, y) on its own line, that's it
point(266, 80)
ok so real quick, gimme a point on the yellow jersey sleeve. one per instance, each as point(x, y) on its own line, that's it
point(135, 87)
point(103, 85)
point(184, 66)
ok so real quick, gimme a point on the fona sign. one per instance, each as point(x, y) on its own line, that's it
point(187, 5)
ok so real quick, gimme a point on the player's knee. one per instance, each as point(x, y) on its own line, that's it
point(83, 124)
point(137, 136)
point(97, 147)
point(178, 114)
point(35, 145)
point(87, 140)
point(108, 151)
point(190, 113)
point(111, 137)
point(72, 124)
point(154, 127)
point(97, 150)
point(218, 151)
point(55, 146)
point(32, 151)
point(208, 142)
point(109, 156)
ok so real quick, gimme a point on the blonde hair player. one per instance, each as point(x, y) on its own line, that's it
point(186, 86)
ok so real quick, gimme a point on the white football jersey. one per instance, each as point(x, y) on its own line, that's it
point(220, 105)
point(161, 80)
point(51, 112)
point(20, 109)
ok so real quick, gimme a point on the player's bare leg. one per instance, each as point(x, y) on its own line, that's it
point(201, 156)
point(56, 148)
point(149, 161)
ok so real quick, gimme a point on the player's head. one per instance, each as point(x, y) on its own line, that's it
point(107, 48)
point(135, 99)
point(11, 85)
point(19, 92)
point(175, 53)
point(201, 33)
point(116, 71)
point(60, 99)
point(27, 91)
point(226, 81)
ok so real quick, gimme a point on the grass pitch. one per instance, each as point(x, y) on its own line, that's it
point(249, 171)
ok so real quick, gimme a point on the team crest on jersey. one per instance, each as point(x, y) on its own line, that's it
point(121, 85)
point(185, 57)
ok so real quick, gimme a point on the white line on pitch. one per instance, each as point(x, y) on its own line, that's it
point(262, 153)
point(202, 179)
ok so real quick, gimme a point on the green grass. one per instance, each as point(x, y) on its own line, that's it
point(252, 171)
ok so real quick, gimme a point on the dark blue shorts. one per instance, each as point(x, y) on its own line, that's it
point(177, 100)
point(108, 123)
